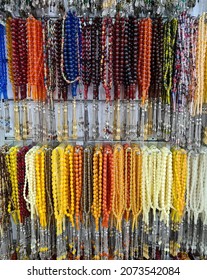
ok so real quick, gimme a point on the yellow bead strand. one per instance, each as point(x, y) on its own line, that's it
point(13, 206)
point(119, 194)
point(41, 193)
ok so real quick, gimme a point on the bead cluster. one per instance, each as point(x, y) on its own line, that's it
point(138, 199)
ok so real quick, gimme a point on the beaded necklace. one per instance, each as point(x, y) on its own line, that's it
point(40, 194)
point(87, 198)
point(118, 207)
point(78, 163)
point(49, 203)
point(144, 58)
point(3, 69)
point(200, 63)
point(5, 198)
point(155, 90)
point(128, 182)
point(3, 83)
point(23, 53)
point(200, 68)
point(181, 77)
point(166, 199)
point(128, 179)
point(36, 86)
point(21, 179)
point(156, 59)
point(193, 77)
point(35, 74)
point(96, 54)
point(108, 183)
point(24, 213)
point(136, 187)
point(147, 183)
point(108, 194)
point(11, 77)
point(97, 194)
point(118, 71)
point(49, 37)
point(170, 33)
point(86, 55)
point(130, 65)
point(96, 48)
point(144, 71)
point(30, 184)
point(178, 195)
point(13, 207)
point(131, 56)
point(19, 56)
point(86, 68)
point(196, 192)
point(59, 189)
point(16, 74)
point(69, 178)
point(71, 58)
point(41, 200)
point(136, 204)
point(61, 85)
point(71, 50)
point(107, 69)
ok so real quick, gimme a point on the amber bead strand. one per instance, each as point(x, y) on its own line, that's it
point(144, 59)
point(78, 168)
point(97, 195)
point(35, 59)
point(108, 195)
point(9, 55)
point(108, 183)
point(70, 191)
point(118, 207)
point(128, 179)
point(30, 73)
point(97, 185)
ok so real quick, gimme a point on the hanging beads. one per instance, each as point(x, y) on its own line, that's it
point(144, 71)
point(106, 69)
point(5, 200)
point(118, 70)
point(4, 120)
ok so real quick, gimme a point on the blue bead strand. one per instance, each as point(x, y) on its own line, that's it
point(3, 64)
point(72, 50)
